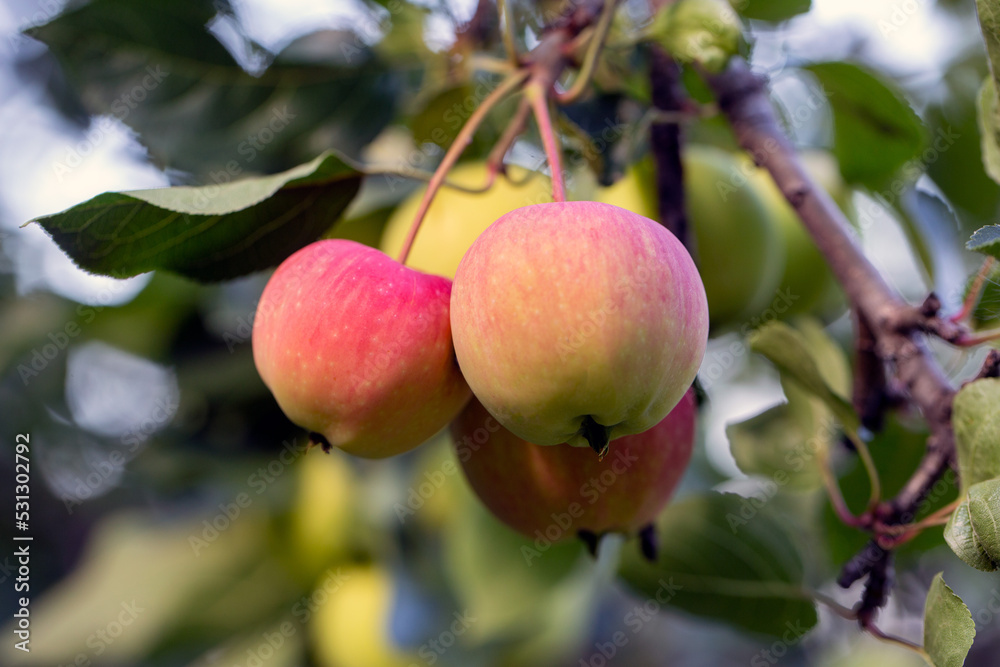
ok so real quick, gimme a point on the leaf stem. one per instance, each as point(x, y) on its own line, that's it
point(833, 491)
point(972, 298)
point(586, 72)
point(866, 459)
point(874, 631)
point(463, 139)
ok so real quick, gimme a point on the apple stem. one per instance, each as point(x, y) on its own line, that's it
point(507, 31)
point(535, 92)
point(649, 542)
point(590, 539)
point(320, 440)
point(463, 139)
point(597, 435)
point(597, 40)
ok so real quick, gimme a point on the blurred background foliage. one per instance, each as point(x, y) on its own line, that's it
point(178, 517)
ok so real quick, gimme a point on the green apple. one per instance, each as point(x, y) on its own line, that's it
point(740, 250)
point(577, 322)
point(456, 218)
point(807, 279)
point(554, 492)
point(357, 348)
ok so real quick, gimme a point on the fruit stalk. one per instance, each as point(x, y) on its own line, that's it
point(464, 138)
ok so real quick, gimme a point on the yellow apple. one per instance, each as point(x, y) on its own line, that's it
point(350, 625)
point(456, 218)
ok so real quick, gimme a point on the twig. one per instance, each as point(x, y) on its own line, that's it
point(665, 140)
point(896, 327)
point(494, 161)
point(586, 72)
point(991, 366)
point(463, 139)
point(869, 390)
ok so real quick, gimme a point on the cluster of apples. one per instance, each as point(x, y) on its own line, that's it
point(570, 324)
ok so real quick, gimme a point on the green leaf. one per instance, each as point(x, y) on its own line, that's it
point(986, 314)
point(789, 351)
point(986, 240)
point(989, 128)
point(154, 66)
point(948, 626)
point(771, 10)
point(963, 541)
point(869, 112)
point(774, 445)
point(211, 232)
point(989, 24)
point(976, 420)
point(723, 557)
point(984, 516)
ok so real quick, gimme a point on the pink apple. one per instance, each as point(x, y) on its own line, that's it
point(357, 348)
point(559, 490)
point(578, 322)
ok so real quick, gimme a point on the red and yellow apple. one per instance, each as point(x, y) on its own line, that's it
point(578, 322)
point(357, 348)
point(533, 489)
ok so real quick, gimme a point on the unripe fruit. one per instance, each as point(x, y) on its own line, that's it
point(357, 348)
point(578, 321)
point(807, 276)
point(739, 248)
point(566, 489)
point(456, 218)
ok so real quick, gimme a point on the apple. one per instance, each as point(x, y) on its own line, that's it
point(357, 348)
point(456, 218)
point(563, 489)
point(350, 626)
point(578, 322)
point(740, 250)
